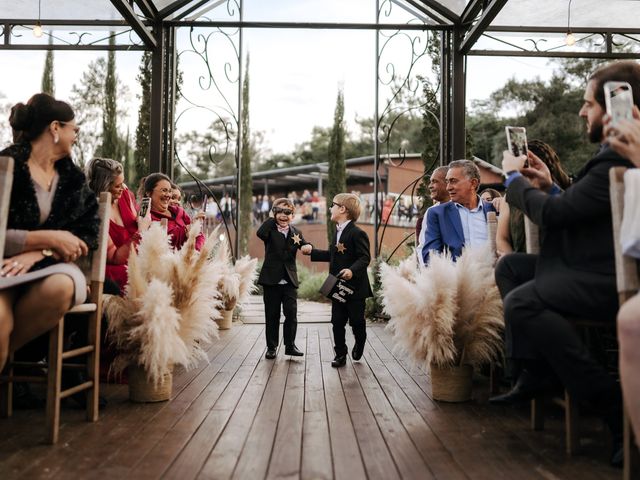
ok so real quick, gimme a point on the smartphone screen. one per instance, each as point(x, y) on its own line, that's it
point(144, 206)
point(618, 98)
point(517, 142)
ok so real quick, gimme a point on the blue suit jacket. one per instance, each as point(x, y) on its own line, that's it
point(444, 229)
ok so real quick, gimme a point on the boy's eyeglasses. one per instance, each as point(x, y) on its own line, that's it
point(336, 204)
point(286, 211)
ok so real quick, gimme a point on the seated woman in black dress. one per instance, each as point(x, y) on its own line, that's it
point(53, 220)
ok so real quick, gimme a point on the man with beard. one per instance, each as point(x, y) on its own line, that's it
point(574, 274)
point(438, 194)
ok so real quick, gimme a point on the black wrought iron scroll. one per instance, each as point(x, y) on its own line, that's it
point(218, 52)
point(400, 83)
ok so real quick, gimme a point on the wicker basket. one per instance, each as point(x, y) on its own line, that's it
point(227, 319)
point(451, 384)
point(143, 390)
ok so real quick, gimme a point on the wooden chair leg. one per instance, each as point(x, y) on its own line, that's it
point(631, 454)
point(6, 390)
point(93, 359)
point(571, 421)
point(54, 381)
point(537, 413)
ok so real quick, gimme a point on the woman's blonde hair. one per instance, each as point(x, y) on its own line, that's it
point(350, 202)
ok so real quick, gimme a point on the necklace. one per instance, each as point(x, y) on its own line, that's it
point(46, 177)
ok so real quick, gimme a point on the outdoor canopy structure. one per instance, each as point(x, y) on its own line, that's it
point(541, 28)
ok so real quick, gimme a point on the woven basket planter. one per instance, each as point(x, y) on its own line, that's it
point(227, 319)
point(143, 390)
point(451, 384)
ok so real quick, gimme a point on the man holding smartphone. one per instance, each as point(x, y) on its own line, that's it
point(574, 274)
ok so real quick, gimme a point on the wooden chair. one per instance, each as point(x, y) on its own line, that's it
point(628, 284)
point(6, 180)
point(94, 269)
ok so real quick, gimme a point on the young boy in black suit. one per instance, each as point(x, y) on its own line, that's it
point(348, 258)
point(279, 276)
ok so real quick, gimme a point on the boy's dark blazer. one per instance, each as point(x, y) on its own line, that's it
point(355, 256)
point(280, 253)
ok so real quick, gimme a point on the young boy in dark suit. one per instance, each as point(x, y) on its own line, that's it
point(348, 258)
point(279, 276)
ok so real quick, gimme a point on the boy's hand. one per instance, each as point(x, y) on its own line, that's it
point(306, 249)
point(345, 274)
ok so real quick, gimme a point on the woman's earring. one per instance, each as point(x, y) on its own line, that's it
point(56, 138)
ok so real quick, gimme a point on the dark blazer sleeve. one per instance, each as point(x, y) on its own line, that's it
point(361, 241)
point(320, 255)
point(265, 228)
point(586, 199)
point(433, 237)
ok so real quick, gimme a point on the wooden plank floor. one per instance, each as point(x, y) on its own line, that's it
point(241, 416)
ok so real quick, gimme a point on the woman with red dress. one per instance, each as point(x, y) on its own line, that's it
point(158, 187)
point(106, 175)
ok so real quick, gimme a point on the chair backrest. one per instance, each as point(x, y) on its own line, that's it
point(532, 236)
point(94, 266)
point(6, 181)
point(627, 280)
point(492, 226)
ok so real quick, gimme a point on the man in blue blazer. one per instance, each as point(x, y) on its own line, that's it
point(462, 221)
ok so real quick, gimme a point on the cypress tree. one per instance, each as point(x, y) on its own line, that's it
point(337, 182)
point(48, 85)
point(141, 153)
point(109, 116)
point(246, 186)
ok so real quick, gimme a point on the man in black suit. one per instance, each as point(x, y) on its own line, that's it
point(279, 276)
point(348, 258)
point(574, 274)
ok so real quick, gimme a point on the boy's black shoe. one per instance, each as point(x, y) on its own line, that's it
point(339, 361)
point(356, 353)
point(271, 354)
point(293, 351)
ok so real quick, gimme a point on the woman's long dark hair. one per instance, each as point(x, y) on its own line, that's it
point(548, 155)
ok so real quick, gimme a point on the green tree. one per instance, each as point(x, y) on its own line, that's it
point(246, 185)
point(48, 85)
point(336, 182)
point(109, 147)
point(141, 153)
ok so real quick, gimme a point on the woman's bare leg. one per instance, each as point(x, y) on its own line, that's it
point(40, 308)
point(629, 340)
point(6, 324)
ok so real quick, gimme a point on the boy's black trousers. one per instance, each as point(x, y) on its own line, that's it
point(285, 295)
point(352, 312)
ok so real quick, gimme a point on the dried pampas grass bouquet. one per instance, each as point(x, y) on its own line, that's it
point(447, 313)
point(172, 300)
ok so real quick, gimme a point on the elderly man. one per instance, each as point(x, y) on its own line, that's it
point(438, 194)
point(463, 220)
point(574, 275)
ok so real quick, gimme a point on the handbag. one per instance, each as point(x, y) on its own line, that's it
point(335, 289)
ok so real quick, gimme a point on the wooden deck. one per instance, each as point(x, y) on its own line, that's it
point(241, 416)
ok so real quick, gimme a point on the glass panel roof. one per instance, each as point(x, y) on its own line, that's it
point(584, 13)
point(59, 10)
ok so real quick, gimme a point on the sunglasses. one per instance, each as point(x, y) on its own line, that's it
point(286, 211)
point(76, 128)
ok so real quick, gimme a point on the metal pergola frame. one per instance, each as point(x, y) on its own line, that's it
point(459, 34)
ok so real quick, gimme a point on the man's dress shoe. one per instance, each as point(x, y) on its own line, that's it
point(271, 354)
point(293, 351)
point(526, 388)
point(339, 361)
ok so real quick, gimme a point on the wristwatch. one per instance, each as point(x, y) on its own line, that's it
point(47, 252)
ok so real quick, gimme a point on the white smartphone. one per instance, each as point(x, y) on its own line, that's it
point(144, 206)
point(517, 141)
point(618, 98)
